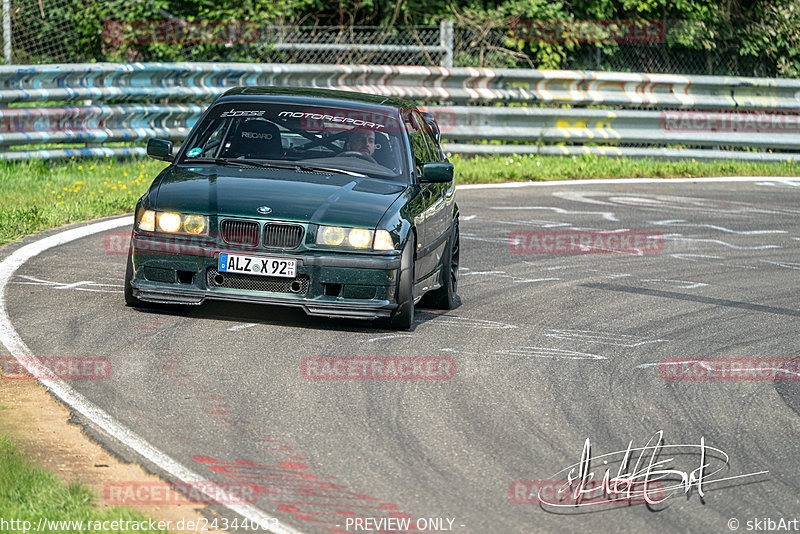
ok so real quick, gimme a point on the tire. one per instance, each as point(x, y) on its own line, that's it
point(445, 297)
point(130, 300)
point(403, 316)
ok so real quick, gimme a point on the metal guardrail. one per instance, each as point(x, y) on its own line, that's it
point(640, 109)
point(580, 125)
point(96, 124)
point(137, 81)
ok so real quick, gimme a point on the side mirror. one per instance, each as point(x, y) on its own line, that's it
point(437, 173)
point(430, 120)
point(159, 149)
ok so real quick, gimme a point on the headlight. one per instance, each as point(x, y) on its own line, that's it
point(148, 221)
point(169, 222)
point(194, 224)
point(173, 223)
point(359, 238)
point(383, 240)
point(330, 235)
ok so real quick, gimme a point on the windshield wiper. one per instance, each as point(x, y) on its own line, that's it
point(328, 169)
point(251, 163)
point(242, 162)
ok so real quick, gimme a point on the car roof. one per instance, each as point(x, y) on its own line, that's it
point(308, 96)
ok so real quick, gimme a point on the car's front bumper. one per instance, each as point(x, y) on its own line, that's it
point(346, 285)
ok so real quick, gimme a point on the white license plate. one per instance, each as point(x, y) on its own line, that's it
point(258, 265)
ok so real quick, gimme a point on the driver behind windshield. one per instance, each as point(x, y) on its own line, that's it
point(361, 141)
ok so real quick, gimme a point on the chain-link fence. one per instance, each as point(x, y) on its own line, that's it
point(54, 31)
point(621, 46)
point(35, 32)
point(50, 31)
point(160, 40)
point(419, 45)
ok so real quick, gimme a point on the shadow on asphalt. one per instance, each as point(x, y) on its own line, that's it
point(282, 316)
point(696, 298)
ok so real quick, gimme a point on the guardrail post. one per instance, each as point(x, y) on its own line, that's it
point(446, 42)
point(90, 143)
point(7, 32)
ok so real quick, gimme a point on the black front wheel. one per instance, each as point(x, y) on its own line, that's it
point(445, 297)
point(403, 316)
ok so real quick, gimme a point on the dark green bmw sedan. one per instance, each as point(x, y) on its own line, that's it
point(339, 203)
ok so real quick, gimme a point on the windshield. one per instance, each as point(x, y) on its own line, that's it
point(323, 139)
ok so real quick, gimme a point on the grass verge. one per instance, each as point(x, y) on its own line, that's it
point(37, 195)
point(491, 169)
point(28, 493)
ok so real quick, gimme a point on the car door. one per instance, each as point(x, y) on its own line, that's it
point(431, 226)
point(445, 205)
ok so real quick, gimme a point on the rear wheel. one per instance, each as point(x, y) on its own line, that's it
point(444, 298)
point(403, 316)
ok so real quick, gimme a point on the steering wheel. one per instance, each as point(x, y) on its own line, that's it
point(360, 155)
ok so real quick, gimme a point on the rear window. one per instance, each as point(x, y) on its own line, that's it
point(349, 139)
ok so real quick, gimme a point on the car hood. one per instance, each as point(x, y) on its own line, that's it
point(299, 196)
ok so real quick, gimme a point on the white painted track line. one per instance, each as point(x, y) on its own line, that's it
point(612, 181)
point(79, 403)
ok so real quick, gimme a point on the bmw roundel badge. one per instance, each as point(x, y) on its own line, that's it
point(264, 209)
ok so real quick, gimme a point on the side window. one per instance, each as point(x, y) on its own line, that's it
point(437, 148)
point(435, 152)
point(420, 141)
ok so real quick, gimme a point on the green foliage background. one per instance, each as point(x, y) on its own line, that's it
point(757, 37)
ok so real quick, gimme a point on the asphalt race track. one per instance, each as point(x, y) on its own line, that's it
point(549, 350)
